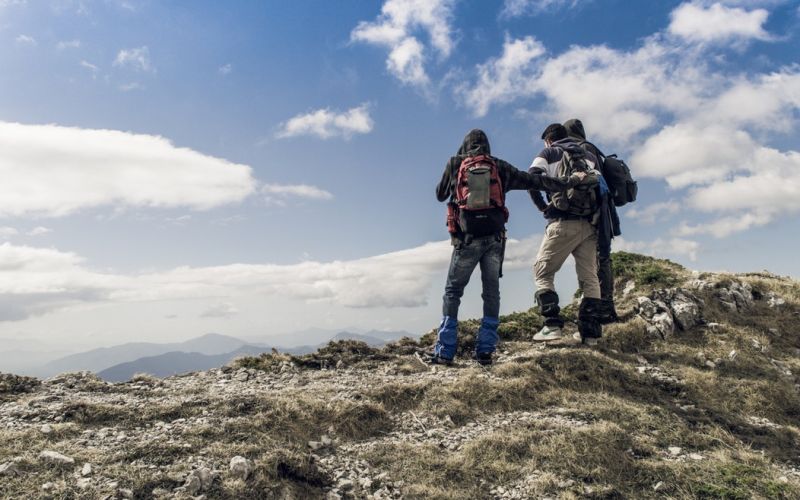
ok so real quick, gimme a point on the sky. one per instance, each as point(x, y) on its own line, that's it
point(253, 168)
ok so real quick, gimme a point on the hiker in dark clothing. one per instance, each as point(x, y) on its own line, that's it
point(608, 226)
point(478, 236)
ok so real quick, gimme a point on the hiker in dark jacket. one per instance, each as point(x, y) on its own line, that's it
point(570, 231)
point(471, 250)
point(608, 226)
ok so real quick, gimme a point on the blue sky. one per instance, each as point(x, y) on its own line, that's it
point(255, 168)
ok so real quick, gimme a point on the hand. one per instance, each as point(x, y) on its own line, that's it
point(579, 175)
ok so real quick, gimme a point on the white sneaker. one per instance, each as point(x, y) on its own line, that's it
point(548, 333)
point(587, 341)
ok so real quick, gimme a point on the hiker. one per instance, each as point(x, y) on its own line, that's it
point(570, 215)
point(475, 184)
point(608, 227)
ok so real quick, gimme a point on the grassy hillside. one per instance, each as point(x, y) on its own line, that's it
point(706, 408)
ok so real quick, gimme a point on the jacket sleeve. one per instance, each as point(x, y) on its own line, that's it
point(514, 179)
point(444, 189)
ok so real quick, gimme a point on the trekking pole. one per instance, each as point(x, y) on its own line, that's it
point(502, 251)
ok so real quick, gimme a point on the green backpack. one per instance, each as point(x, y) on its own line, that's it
point(580, 200)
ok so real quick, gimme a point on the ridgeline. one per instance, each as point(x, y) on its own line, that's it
point(693, 394)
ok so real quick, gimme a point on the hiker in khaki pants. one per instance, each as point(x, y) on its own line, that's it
point(569, 232)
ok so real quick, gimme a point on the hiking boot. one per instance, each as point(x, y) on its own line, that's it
point(584, 340)
point(483, 358)
point(548, 333)
point(435, 359)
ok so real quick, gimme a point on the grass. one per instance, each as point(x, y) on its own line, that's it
point(603, 419)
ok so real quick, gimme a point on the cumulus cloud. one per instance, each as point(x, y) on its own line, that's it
point(26, 40)
point(674, 108)
point(34, 281)
point(225, 69)
point(325, 123)
point(506, 78)
point(39, 230)
point(52, 171)
point(516, 8)
point(280, 193)
point(396, 28)
point(137, 59)
point(653, 212)
point(68, 44)
point(660, 247)
point(697, 22)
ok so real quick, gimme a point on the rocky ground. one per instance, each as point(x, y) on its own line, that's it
point(694, 394)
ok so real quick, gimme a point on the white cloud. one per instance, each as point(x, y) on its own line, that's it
point(660, 247)
point(395, 29)
point(326, 124)
point(506, 78)
point(653, 212)
point(516, 8)
point(221, 310)
point(280, 193)
point(89, 66)
point(68, 44)
point(6, 232)
point(128, 87)
point(51, 170)
point(39, 230)
point(696, 22)
point(725, 226)
point(26, 41)
point(225, 69)
point(137, 59)
point(34, 281)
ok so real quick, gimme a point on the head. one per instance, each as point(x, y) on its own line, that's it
point(475, 143)
point(575, 129)
point(554, 132)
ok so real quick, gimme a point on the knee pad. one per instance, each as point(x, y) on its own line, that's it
point(590, 309)
point(547, 300)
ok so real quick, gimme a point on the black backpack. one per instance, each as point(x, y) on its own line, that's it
point(617, 175)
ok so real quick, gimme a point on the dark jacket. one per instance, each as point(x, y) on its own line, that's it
point(608, 224)
point(476, 143)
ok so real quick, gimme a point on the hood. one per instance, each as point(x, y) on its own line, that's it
point(475, 143)
point(568, 144)
point(575, 129)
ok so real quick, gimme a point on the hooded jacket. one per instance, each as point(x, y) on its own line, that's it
point(476, 143)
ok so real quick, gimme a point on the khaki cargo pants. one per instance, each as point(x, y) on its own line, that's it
point(562, 238)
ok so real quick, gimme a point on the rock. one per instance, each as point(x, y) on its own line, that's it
point(54, 457)
point(629, 287)
point(48, 487)
point(192, 485)
point(674, 451)
point(314, 445)
point(783, 479)
point(9, 469)
point(332, 495)
point(206, 477)
point(658, 486)
point(774, 301)
point(83, 482)
point(732, 355)
point(86, 470)
point(345, 484)
point(710, 364)
point(326, 441)
point(46, 429)
point(125, 493)
point(662, 325)
point(695, 456)
point(241, 467)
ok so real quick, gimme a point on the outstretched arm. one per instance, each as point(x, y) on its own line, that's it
point(443, 189)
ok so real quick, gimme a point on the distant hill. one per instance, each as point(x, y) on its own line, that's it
point(374, 338)
point(175, 363)
point(97, 360)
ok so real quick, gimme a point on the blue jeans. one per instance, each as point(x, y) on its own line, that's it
point(486, 251)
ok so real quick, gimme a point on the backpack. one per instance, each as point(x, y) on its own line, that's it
point(479, 197)
point(582, 199)
point(618, 177)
